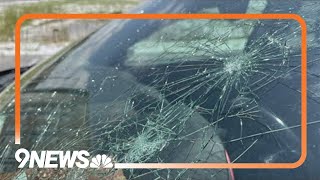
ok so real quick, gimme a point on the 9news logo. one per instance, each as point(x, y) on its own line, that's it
point(61, 159)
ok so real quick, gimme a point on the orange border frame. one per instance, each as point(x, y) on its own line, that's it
point(181, 16)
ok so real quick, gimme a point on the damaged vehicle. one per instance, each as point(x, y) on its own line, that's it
point(175, 91)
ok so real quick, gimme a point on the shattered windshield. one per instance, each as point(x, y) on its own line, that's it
point(170, 91)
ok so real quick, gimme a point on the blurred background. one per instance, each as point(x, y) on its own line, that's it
point(40, 39)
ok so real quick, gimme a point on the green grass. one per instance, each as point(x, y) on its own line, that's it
point(11, 14)
point(104, 2)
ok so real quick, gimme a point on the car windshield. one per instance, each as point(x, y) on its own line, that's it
point(173, 91)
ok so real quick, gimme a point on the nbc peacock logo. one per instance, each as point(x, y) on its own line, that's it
point(101, 161)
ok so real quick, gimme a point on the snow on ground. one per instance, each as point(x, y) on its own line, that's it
point(31, 53)
point(7, 49)
point(44, 38)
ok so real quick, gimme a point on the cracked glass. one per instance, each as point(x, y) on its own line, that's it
point(164, 91)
